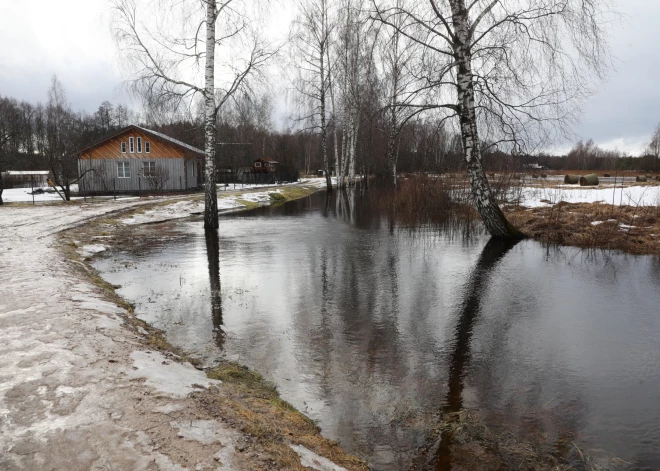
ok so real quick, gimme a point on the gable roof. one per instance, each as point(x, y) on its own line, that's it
point(155, 134)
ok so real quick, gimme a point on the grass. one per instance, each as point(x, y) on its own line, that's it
point(253, 405)
point(570, 224)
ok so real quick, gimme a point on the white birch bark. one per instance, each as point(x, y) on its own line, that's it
point(491, 214)
point(210, 192)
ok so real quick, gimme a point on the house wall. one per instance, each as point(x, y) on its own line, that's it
point(101, 175)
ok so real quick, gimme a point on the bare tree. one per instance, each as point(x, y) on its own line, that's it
point(59, 139)
point(311, 38)
point(519, 70)
point(157, 179)
point(168, 65)
point(654, 147)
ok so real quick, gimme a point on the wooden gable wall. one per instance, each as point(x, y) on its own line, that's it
point(111, 149)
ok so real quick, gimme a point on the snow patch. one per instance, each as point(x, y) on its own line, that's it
point(168, 377)
point(203, 431)
point(309, 459)
point(89, 250)
point(630, 196)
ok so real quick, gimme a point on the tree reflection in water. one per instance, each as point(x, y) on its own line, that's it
point(213, 256)
point(493, 252)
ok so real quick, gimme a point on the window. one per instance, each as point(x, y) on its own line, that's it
point(123, 147)
point(131, 145)
point(123, 170)
point(149, 169)
point(139, 142)
point(147, 146)
point(257, 164)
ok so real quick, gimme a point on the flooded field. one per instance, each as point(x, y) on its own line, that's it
point(376, 330)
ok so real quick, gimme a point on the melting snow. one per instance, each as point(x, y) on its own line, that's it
point(309, 459)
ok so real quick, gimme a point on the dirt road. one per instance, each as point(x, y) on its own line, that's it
point(78, 391)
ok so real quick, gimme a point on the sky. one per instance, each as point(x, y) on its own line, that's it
point(71, 38)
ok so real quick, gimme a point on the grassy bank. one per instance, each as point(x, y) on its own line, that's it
point(245, 400)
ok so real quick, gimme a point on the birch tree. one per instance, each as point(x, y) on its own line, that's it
point(653, 148)
point(310, 38)
point(197, 48)
point(519, 71)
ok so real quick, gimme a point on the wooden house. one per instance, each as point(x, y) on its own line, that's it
point(138, 159)
point(264, 166)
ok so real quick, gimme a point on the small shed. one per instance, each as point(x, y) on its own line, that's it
point(139, 159)
point(25, 178)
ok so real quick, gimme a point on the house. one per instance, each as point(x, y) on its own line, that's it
point(137, 159)
point(264, 166)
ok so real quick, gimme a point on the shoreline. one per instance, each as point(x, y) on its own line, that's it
point(280, 436)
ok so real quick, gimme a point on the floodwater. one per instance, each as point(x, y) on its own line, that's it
point(375, 330)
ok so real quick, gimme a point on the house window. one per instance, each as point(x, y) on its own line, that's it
point(149, 168)
point(123, 170)
point(257, 164)
point(123, 147)
point(139, 142)
point(131, 145)
point(147, 146)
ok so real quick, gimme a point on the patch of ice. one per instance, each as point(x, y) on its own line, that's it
point(309, 459)
point(91, 249)
point(168, 377)
point(203, 431)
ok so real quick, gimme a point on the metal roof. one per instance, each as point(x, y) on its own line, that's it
point(172, 140)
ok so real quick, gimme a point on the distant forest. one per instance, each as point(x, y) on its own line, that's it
point(246, 132)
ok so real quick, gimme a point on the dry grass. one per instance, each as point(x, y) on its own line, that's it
point(253, 405)
point(571, 224)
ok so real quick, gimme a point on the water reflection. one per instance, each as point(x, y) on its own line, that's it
point(213, 256)
point(492, 253)
point(374, 331)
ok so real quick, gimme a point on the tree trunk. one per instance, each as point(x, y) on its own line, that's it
point(210, 192)
point(491, 214)
point(324, 130)
point(2, 188)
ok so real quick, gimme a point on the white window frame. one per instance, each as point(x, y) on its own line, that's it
point(131, 145)
point(123, 147)
point(125, 166)
point(139, 145)
point(151, 164)
point(257, 164)
point(147, 147)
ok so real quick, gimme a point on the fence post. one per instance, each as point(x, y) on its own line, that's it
point(114, 189)
point(32, 186)
point(181, 182)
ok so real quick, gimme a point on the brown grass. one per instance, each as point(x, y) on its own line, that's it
point(570, 224)
point(253, 405)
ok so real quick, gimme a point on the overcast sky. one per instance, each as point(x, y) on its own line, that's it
point(71, 38)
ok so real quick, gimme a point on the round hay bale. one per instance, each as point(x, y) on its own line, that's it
point(649, 177)
point(572, 179)
point(607, 175)
point(657, 179)
point(535, 176)
point(589, 180)
point(543, 175)
point(640, 178)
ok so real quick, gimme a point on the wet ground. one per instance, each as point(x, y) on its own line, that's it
point(376, 330)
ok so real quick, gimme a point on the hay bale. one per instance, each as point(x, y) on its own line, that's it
point(657, 179)
point(589, 180)
point(543, 175)
point(649, 177)
point(535, 176)
point(640, 178)
point(607, 175)
point(572, 179)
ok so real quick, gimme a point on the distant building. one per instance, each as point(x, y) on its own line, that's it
point(264, 166)
point(139, 159)
point(25, 178)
